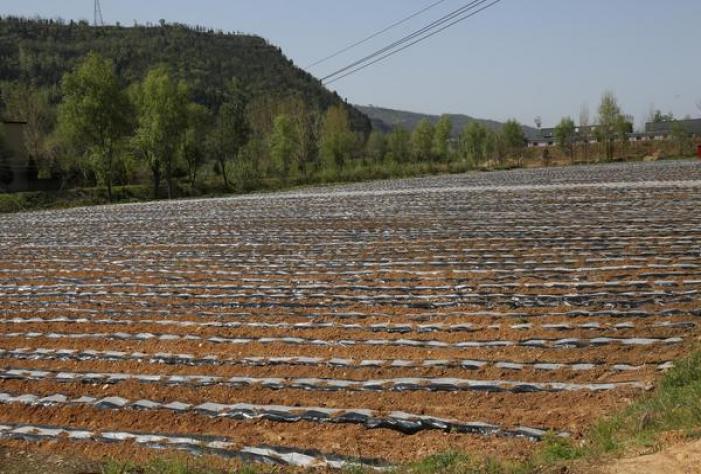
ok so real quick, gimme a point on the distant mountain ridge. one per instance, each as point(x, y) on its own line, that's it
point(386, 119)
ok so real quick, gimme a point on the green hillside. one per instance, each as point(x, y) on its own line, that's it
point(39, 52)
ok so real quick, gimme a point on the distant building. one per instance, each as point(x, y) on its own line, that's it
point(14, 167)
point(545, 137)
point(18, 172)
point(662, 130)
point(653, 131)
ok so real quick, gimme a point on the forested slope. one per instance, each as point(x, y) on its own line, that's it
point(41, 51)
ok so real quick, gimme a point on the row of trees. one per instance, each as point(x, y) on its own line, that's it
point(102, 132)
point(95, 130)
point(611, 127)
point(435, 143)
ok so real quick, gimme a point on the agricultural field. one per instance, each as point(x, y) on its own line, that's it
point(377, 323)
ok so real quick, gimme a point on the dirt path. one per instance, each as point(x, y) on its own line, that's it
point(681, 459)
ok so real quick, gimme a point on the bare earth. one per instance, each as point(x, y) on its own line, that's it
point(681, 459)
point(377, 322)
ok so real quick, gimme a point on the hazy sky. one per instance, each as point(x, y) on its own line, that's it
point(520, 59)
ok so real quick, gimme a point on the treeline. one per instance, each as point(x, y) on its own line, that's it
point(103, 134)
point(153, 131)
point(608, 136)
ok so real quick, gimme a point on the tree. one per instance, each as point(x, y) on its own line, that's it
point(162, 110)
point(68, 161)
point(585, 129)
point(376, 147)
point(474, 142)
point(422, 141)
point(231, 130)
point(514, 139)
point(31, 105)
point(494, 147)
point(307, 120)
point(680, 135)
point(337, 141)
point(94, 114)
point(624, 127)
point(398, 145)
point(444, 128)
point(191, 148)
point(657, 117)
point(609, 120)
point(565, 134)
point(284, 146)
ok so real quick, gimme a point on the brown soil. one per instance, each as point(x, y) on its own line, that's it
point(570, 411)
point(487, 373)
point(612, 354)
point(349, 440)
point(499, 245)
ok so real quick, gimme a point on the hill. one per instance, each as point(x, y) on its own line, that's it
point(40, 51)
point(386, 119)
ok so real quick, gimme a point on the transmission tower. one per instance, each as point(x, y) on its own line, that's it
point(97, 15)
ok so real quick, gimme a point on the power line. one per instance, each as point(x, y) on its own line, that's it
point(376, 34)
point(442, 20)
point(392, 53)
point(431, 26)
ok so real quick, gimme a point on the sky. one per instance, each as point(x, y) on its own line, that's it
point(520, 59)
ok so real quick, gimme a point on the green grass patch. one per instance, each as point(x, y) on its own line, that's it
point(175, 466)
point(675, 406)
point(450, 462)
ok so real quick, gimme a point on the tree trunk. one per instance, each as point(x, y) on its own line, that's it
point(109, 175)
point(222, 165)
point(156, 170)
point(193, 177)
point(169, 177)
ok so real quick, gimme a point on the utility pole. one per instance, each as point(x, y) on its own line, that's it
point(97, 14)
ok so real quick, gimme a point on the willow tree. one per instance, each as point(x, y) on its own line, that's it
point(399, 145)
point(513, 138)
point(284, 147)
point(337, 141)
point(566, 134)
point(94, 114)
point(422, 141)
point(191, 148)
point(162, 109)
point(609, 122)
point(441, 137)
point(232, 130)
point(473, 142)
point(376, 147)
